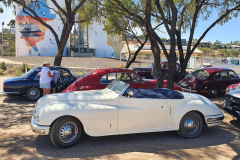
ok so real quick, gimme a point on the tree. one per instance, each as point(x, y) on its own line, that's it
point(11, 22)
point(218, 42)
point(233, 53)
point(115, 25)
point(177, 17)
point(69, 14)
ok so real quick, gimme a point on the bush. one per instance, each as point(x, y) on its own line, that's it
point(224, 53)
point(213, 47)
point(233, 53)
point(1, 72)
point(22, 67)
point(3, 66)
point(18, 73)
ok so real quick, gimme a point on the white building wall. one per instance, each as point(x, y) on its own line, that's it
point(99, 40)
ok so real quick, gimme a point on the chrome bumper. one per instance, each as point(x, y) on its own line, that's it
point(214, 120)
point(189, 90)
point(10, 92)
point(43, 130)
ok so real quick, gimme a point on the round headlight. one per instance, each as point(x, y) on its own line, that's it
point(226, 89)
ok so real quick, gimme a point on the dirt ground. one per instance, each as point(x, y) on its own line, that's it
point(17, 141)
point(82, 62)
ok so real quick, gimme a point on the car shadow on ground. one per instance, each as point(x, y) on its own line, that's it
point(157, 143)
point(16, 100)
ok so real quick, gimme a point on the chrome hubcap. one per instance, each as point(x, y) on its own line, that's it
point(191, 125)
point(33, 94)
point(213, 91)
point(68, 132)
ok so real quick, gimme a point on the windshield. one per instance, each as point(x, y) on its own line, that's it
point(200, 74)
point(117, 86)
point(28, 74)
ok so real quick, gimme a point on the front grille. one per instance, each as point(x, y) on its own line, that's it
point(230, 99)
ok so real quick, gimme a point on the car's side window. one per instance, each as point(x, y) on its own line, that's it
point(65, 76)
point(224, 74)
point(217, 76)
point(232, 75)
point(235, 61)
point(108, 78)
point(128, 77)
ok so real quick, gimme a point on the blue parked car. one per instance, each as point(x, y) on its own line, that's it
point(28, 84)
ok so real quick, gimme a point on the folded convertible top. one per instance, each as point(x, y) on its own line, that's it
point(156, 93)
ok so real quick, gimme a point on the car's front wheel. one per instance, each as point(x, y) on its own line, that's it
point(33, 94)
point(191, 125)
point(65, 132)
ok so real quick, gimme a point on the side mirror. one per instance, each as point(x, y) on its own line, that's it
point(130, 94)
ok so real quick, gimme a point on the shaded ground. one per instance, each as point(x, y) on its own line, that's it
point(17, 141)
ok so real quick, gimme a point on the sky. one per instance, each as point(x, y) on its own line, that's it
point(226, 33)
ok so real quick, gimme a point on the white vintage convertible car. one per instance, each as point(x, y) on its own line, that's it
point(118, 110)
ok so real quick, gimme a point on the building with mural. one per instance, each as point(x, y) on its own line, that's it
point(34, 39)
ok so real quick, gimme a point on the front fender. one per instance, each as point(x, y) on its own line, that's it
point(97, 119)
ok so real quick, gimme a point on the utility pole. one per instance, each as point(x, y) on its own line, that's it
point(2, 37)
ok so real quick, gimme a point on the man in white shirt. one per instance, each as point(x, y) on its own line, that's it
point(45, 79)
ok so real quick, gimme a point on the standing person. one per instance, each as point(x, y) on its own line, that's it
point(55, 80)
point(46, 78)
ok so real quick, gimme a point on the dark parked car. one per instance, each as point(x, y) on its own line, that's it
point(28, 84)
point(209, 81)
point(232, 103)
point(145, 72)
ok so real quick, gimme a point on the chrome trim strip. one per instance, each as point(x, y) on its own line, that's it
point(10, 92)
point(189, 90)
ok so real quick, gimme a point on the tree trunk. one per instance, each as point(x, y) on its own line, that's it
point(154, 45)
point(62, 45)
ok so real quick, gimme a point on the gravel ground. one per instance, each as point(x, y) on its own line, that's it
point(87, 63)
point(17, 141)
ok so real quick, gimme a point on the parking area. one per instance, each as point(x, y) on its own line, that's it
point(17, 141)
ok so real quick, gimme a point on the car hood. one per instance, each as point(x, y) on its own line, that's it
point(13, 79)
point(92, 95)
point(234, 93)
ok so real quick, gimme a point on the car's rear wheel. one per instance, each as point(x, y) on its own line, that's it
point(65, 132)
point(191, 125)
point(213, 92)
point(33, 94)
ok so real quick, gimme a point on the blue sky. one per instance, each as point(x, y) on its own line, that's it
point(228, 32)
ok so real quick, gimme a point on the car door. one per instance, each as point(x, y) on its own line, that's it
point(137, 115)
point(233, 77)
point(224, 82)
point(65, 79)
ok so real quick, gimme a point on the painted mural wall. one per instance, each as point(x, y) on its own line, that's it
point(34, 39)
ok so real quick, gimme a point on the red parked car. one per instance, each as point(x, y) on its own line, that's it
point(100, 78)
point(145, 72)
point(232, 87)
point(209, 81)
